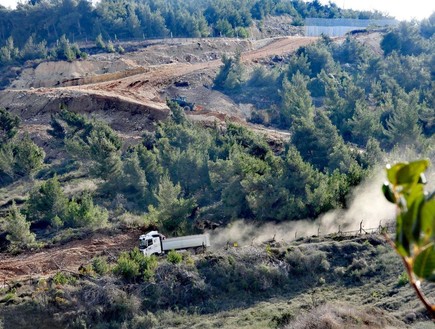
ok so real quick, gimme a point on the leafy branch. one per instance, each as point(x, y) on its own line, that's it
point(415, 223)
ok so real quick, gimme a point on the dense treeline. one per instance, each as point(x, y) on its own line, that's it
point(181, 174)
point(26, 32)
point(330, 94)
point(182, 168)
point(63, 50)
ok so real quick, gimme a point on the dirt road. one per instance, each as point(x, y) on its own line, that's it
point(144, 87)
point(65, 257)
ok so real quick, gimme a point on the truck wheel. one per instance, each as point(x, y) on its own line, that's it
point(199, 250)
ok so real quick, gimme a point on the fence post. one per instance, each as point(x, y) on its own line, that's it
point(318, 231)
point(360, 227)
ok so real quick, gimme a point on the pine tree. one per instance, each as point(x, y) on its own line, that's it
point(172, 211)
point(298, 63)
point(28, 157)
point(6, 164)
point(18, 229)
point(316, 141)
point(365, 124)
point(57, 130)
point(83, 213)
point(296, 100)
point(230, 76)
point(48, 203)
point(402, 126)
point(8, 125)
point(133, 181)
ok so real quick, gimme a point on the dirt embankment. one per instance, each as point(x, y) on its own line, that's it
point(123, 114)
point(65, 257)
point(129, 97)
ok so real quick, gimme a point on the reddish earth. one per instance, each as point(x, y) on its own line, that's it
point(131, 99)
point(144, 87)
point(65, 257)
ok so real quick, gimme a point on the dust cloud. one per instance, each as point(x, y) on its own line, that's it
point(367, 205)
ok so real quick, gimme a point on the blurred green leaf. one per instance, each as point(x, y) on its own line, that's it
point(413, 218)
point(424, 263)
point(410, 173)
point(413, 193)
point(402, 241)
point(427, 215)
point(392, 172)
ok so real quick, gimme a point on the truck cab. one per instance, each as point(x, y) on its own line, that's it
point(150, 243)
point(155, 243)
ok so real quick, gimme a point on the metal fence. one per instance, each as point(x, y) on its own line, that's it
point(387, 228)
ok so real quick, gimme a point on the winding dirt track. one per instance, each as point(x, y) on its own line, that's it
point(65, 257)
point(140, 88)
point(143, 88)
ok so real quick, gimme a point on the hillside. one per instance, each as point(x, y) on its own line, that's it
point(271, 144)
point(131, 96)
point(355, 282)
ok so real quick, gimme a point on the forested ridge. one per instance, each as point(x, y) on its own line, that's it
point(51, 29)
point(365, 95)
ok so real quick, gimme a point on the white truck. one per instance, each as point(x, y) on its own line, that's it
point(155, 243)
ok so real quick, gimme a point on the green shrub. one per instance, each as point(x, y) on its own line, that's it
point(48, 203)
point(174, 257)
point(61, 278)
point(9, 124)
point(144, 321)
point(18, 229)
point(306, 261)
point(127, 268)
point(87, 270)
point(100, 266)
point(83, 213)
point(133, 266)
point(280, 321)
point(99, 42)
point(110, 47)
point(403, 279)
point(28, 157)
point(188, 260)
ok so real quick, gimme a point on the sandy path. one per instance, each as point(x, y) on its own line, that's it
point(144, 87)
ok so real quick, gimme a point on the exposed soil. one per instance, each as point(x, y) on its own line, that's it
point(130, 94)
point(65, 257)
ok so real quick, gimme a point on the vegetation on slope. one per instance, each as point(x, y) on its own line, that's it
point(179, 176)
point(344, 105)
point(333, 93)
point(202, 291)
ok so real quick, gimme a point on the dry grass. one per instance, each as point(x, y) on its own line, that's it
point(332, 316)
